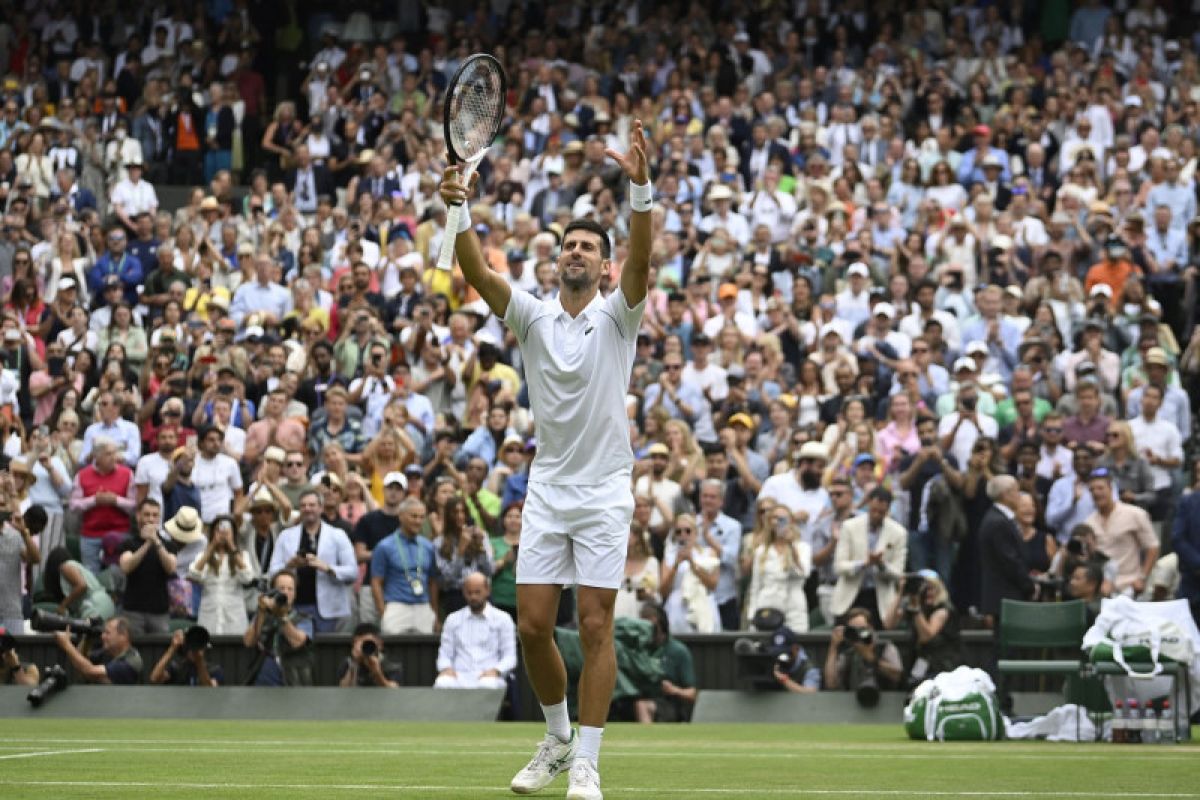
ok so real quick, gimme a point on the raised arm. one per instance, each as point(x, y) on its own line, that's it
point(491, 287)
point(635, 272)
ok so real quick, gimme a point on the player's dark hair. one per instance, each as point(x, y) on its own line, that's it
point(591, 227)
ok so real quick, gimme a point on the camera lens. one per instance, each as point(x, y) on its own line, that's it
point(369, 648)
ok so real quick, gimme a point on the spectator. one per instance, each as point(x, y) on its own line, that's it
point(1124, 533)
point(281, 635)
point(367, 665)
point(322, 562)
point(221, 571)
point(116, 661)
point(923, 606)
point(870, 559)
point(691, 572)
point(1160, 443)
point(1185, 540)
point(1005, 573)
point(148, 567)
point(370, 529)
point(15, 673)
point(121, 432)
point(104, 494)
point(216, 475)
point(1086, 583)
point(779, 568)
point(18, 551)
point(479, 642)
point(404, 576)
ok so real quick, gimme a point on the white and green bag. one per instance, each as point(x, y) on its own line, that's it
point(958, 706)
point(1126, 632)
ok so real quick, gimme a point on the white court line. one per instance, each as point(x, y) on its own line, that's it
point(758, 791)
point(1059, 749)
point(50, 753)
point(618, 753)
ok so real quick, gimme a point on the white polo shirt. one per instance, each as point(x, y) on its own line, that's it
point(577, 371)
point(216, 480)
point(1162, 439)
point(152, 471)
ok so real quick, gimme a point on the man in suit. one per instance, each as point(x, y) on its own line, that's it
point(324, 563)
point(307, 181)
point(1186, 541)
point(1004, 571)
point(869, 559)
point(66, 186)
point(553, 197)
point(378, 181)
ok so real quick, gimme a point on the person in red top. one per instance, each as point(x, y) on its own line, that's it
point(105, 494)
point(1113, 271)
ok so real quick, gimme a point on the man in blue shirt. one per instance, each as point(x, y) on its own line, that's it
point(404, 576)
point(263, 296)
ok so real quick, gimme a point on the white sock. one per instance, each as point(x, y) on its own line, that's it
point(589, 744)
point(558, 721)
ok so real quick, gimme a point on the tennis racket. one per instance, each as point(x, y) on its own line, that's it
point(472, 115)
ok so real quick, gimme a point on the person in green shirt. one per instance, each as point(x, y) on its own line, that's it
point(1007, 410)
point(678, 689)
point(484, 506)
point(504, 556)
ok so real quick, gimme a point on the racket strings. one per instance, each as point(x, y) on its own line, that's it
point(477, 109)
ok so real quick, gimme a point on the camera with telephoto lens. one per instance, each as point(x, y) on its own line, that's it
point(369, 648)
point(914, 584)
point(1075, 546)
point(49, 622)
point(196, 639)
point(277, 597)
point(55, 681)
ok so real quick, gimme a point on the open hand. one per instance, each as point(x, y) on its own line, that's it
point(633, 162)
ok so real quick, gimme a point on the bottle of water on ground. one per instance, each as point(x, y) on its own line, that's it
point(1149, 724)
point(1166, 724)
point(1119, 723)
point(1133, 733)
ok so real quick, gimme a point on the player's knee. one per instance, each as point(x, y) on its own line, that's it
point(534, 631)
point(595, 628)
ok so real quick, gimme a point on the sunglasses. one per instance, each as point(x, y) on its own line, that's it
point(685, 530)
point(293, 463)
point(1052, 430)
point(672, 367)
point(171, 414)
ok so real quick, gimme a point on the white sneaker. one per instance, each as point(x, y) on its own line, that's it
point(553, 757)
point(584, 781)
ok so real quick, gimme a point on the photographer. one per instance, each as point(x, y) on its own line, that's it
point(366, 665)
point(282, 635)
point(12, 671)
point(858, 662)
point(923, 606)
point(115, 661)
point(184, 663)
point(792, 669)
point(677, 692)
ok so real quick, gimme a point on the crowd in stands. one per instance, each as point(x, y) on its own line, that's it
point(902, 253)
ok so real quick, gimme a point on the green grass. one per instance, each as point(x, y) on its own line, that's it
point(156, 759)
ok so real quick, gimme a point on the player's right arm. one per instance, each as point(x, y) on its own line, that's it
point(491, 287)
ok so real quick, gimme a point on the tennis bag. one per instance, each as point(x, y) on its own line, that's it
point(958, 706)
point(1126, 632)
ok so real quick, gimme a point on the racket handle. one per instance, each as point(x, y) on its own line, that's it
point(449, 235)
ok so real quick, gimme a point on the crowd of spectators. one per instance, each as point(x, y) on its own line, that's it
point(900, 252)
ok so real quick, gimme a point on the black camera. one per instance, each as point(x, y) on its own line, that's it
point(857, 634)
point(7, 641)
point(55, 681)
point(369, 648)
point(49, 622)
point(277, 597)
point(914, 585)
point(1075, 546)
point(196, 639)
point(784, 662)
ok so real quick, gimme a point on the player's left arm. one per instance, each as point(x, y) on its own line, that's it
point(635, 272)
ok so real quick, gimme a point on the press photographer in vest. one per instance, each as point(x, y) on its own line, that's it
point(923, 607)
point(115, 661)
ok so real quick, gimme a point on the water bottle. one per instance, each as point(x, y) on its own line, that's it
point(1166, 724)
point(1119, 723)
point(1149, 724)
point(1134, 728)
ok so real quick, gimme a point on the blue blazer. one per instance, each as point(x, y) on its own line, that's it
point(1186, 540)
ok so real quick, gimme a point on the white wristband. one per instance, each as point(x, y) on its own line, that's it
point(641, 196)
point(464, 219)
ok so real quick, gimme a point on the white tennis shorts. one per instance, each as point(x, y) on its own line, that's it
point(575, 534)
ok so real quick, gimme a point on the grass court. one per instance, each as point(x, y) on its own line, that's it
point(58, 758)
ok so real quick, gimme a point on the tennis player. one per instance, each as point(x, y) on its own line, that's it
point(578, 351)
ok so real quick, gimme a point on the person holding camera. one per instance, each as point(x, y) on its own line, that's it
point(323, 561)
point(223, 570)
point(677, 690)
point(184, 662)
point(18, 553)
point(479, 642)
point(366, 665)
point(923, 606)
point(12, 671)
point(148, 567)
point(779, 568)
point(858, 661)
point(792, 669)
point(282, 635)
point(114, 662)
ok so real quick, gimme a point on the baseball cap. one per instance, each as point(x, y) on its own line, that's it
point(65, 284)
point(977, 347)
point(395, 477)
point(964, 363)
point(1101, 288)
point(859, 268)
point(1156, 355)
point(742, 418)
point(884, 309)
point(727, 290)
point(658, 449)
point(863, 458)
point(512, 439)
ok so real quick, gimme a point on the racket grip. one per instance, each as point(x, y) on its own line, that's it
point(453, 221)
